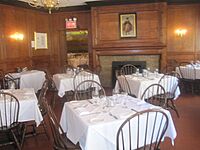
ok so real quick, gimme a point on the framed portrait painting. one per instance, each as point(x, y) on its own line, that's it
point(127, 25)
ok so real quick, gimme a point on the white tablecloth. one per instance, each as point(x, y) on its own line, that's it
point(30, 79)
point(95, 127)
point(138, 84)
point(64, 82)
point(29, 110)
point(187, 71)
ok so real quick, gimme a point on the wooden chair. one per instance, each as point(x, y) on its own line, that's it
point(168, 69)
point(170, 81)
point(1, 79)
point(128, 69)
point(188, 76)
point(171, 66)
point(53, 90)
point(60, 140)
point(124, 85)
point(41, 98)
point(51, 87)
point(11, 131)
point(83, 66)
point(87, 89)
point(143, 130)
point(67, 68)
point(98, 69)
point(11, 83)
point(82, 76)
point(155, 94)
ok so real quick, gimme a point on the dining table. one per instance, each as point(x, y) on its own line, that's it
point(64, 82)
point(138, 83)
point(94, 123)
point(189, 72)
point(28, 102)
point(30, 79)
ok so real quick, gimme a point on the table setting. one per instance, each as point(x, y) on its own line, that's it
point(29, 110)
point(138, 82)
point(30, 79)
point(64, 81)
point(94, 123)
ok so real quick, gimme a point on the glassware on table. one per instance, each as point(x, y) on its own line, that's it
point(95, 95)
point(156, 72)
point(70, 71)
point(144, 73)
point(137, 72)
point(148, 71)
point(115, 94)
point(110, 102)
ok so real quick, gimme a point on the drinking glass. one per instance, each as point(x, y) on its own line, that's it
point(95, 95)
point(137, 72)
point(156, 72)
point(115, 94)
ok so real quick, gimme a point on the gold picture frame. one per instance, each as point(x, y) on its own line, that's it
point(128, 25)
point(40, 40)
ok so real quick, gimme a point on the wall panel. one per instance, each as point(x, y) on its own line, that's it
point(19, 53)
point(150, 25)
point(183, 48)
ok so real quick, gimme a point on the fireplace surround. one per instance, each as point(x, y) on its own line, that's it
point(151, 61)
point(116, 65)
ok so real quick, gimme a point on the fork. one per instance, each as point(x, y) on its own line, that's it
point(113, 115)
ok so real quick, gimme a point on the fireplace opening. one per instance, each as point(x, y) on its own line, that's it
point(116, 65)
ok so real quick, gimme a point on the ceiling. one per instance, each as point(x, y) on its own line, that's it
point(69, 3)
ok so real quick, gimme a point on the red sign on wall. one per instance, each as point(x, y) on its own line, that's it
point(71, 23)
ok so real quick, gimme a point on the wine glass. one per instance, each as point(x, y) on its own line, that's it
point(95, 95)
point(115, 94)
point(137, 72)
point(156, 72)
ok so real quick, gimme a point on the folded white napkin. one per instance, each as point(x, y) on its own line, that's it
point(96, 119)
point(121, 113)
point(82, 111)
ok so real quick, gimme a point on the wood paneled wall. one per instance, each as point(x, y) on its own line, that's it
point(20, 53)
point(151, 30)
point(156, 23)
point(185, 48)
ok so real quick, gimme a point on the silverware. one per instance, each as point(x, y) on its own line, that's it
point(90, 102)
point(113, 116)
point(134, 110)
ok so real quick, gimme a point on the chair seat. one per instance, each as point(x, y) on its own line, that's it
point(169, 95)
point(69, 144)
point(7, 137)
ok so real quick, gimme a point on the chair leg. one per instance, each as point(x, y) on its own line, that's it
point(174, 108)
point(53, 100)
point(32, 132)
point(16, 140)
point(44, 125)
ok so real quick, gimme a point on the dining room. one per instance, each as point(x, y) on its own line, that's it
point(92, 41)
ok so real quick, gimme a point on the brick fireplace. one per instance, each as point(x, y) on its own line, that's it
point(149, 61)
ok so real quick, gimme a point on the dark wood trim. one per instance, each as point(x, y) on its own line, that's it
point(124, 2)
point(129, 52)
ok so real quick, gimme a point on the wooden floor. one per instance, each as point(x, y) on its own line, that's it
point(187, 126)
